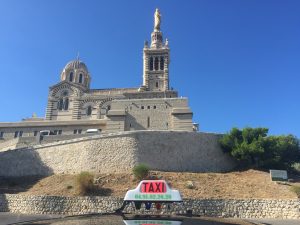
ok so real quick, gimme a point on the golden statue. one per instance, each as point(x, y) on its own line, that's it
point(157, 20)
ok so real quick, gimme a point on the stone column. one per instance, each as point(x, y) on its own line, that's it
point(166, 73)
point(145, 69)
point(76, 109)
point(50, 108)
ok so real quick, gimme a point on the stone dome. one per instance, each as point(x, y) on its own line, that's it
point(76, 64)
point(77, 72)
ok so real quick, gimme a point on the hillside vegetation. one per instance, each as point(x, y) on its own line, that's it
point(233, 185)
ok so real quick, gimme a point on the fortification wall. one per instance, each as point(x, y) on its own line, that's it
point(118, 153)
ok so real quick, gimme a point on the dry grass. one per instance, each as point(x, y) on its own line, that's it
point(233, 185)
point(296, 190)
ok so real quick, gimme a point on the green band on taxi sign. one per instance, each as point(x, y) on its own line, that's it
point(153, 222)
point(153, 196)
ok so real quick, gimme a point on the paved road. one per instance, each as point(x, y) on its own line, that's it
point(10, 218)
point(275, 221)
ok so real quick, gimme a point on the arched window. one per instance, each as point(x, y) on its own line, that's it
point(162, 61)
point(89, 111)
point(71, 77)
point(151, 63)
point(60, 104)
point(65, 93)
point(156, 63)
point(66, 104)
point(80, 78)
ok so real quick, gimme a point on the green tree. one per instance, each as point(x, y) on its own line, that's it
point(252, 147)
point(281, 152)
point(245, 145)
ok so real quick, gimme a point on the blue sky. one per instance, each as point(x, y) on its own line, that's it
point(238, 61)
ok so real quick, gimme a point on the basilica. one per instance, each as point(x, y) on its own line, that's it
point(73, 108)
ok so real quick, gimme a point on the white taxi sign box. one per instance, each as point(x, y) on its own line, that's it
point(152, 222)
point(278, 175)
point(153, 191)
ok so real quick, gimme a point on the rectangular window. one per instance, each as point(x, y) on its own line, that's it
point(60, 132)
point(77, 131)
point(35, 133)
point(20, 133)
point(142, 107)
point(16, 134)
point(1, 134)
point(148, 107)
point(55, 132)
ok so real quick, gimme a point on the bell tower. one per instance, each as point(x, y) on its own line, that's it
point(156, 58)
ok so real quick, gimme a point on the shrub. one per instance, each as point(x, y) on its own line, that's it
point(141, 171)
point(84, 182)
point(296, 189)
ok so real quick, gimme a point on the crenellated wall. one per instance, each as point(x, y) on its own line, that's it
point(118, 153)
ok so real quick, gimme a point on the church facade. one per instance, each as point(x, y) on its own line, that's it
point(73, 107)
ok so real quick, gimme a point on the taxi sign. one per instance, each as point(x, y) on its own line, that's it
point(153, 187)
point(153, 191)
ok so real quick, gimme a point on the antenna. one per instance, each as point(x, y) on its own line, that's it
point(78, 56)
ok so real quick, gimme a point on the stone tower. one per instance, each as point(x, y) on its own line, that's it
point(156, 60)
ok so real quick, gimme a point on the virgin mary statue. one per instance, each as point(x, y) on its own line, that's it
point(157, 20)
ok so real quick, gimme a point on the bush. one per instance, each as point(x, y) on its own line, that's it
point(141, 171)
point(84, 182)
point(296, 189)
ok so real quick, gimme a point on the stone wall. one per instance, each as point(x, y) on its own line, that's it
point(155, 114)
point(252, 208)
point(8, 144)
point(118, 153)
point(182, 151)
